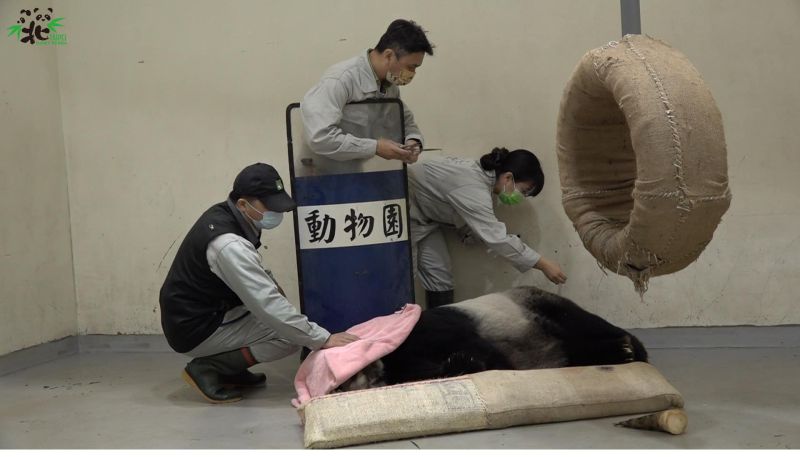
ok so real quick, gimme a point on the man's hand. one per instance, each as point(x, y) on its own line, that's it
point(414, 147)
point(340, 339)
point(391, 150)
point(552, 270)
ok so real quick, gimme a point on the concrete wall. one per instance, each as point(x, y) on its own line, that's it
point(747, 53)
point(37, 295)
point(163, 102)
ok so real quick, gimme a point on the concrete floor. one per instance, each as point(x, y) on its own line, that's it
point(735, 398)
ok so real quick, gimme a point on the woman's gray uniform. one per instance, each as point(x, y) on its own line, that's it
point(454, 192)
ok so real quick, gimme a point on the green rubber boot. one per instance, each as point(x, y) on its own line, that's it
point(208, 375)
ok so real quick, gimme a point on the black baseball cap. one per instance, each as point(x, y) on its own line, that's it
point(262, 181)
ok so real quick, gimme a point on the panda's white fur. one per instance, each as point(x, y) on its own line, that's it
point(505, 322)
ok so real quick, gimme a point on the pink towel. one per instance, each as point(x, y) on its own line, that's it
point(326, 369)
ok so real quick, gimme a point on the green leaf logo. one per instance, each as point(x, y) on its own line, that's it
point(53, 24)
point(15, 29)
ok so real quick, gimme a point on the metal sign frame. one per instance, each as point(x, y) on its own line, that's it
point(292, 172)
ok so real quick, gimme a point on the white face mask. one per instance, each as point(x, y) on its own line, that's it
point(269, 219)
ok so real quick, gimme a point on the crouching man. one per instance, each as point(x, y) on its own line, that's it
point(221, 307)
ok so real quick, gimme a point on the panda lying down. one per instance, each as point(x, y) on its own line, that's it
point(519, 329)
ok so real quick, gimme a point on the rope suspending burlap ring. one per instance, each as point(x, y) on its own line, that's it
point(642, 158)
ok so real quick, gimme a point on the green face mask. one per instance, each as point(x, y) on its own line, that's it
point(511, 198)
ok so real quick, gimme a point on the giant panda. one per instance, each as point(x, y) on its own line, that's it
point(519, 329)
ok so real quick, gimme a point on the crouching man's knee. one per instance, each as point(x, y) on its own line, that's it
point(271, 350)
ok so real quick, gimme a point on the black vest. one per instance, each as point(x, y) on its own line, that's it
point(193, 299)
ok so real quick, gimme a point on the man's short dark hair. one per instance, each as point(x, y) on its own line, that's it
point(404, 37)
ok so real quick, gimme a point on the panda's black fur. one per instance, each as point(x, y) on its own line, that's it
point(522, 328)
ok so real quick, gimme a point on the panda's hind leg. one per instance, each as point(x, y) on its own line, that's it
point(609, 351)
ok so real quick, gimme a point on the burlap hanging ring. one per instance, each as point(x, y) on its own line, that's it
point(642, 158)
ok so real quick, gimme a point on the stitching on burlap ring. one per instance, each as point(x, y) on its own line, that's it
point(640, 278)
point(597, 55)
point(568, 195)
point(684, 203)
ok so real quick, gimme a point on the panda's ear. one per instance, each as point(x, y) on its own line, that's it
point(50, 9)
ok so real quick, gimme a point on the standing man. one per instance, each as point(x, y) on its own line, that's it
point(221, 307)
point(376, 73)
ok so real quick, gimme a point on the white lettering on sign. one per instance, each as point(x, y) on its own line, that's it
point(352, 224)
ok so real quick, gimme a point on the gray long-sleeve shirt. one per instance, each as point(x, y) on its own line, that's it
point(458, 192)
point(324, 115)
point(238, 264)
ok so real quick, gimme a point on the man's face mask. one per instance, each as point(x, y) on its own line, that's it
point(269, 219)
point(514, 197)
point(401, 78)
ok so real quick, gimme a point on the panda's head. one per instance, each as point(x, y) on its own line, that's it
point(369, 377)
point(24, 16)
point(43, 16)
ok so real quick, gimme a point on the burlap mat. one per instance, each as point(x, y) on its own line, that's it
point(487, 400)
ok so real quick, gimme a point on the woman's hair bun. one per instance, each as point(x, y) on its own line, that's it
point(494, 159)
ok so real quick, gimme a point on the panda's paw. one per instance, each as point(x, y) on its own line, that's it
point(627, 349)
point(461, 363)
